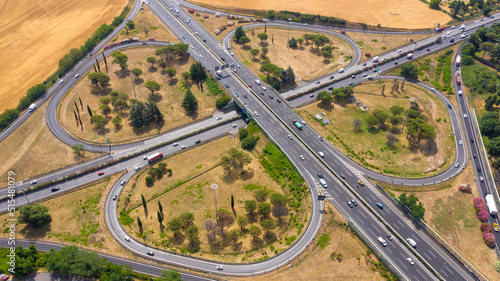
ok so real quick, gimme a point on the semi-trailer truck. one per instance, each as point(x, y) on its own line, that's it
point(491, 204)
point(155, 156)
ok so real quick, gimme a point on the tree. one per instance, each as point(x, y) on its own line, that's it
point(224, 219)
point(416, 210)
point(149, 180)
point(357, 123)
point(99, 121)
point(280, 211)
point(105, 100)
point(254, 52)
point(170, 275)
point(438, 40)
point(187, 219)
point(120, 59)
point(265, 50)
point(271, 69)
point(131, 24)
point(396, 109)
point(264, 209)
point(198, 73)
point(144, 203)
point(249, 142)
point(287, 75)
point(244, 40)
point(193, 235)
point(239, 33)
point(496, 265)
point(160, 217)
point(105, 109)
point(325, 97)
point(268, 225)
point(292, 43)
point(170, 72)
point(190, 103)
point(120, 104)
point(250, 206)
point(242, 133)
point(78, 149)
point(163, 64)
point(381, 116)
point(343, 93)
point(175, 225)
point(434, 4)
point(409, 70)
point(391, 139)
point(99, 79)
point(227, 163)
point(152, 61)
point(185, 75)
point(137, 72)
point(242, 221)
point(262, 36)
point(371, 121)
point(234, 235)
point(278, 199)
point(487, 10)
point(35, 215)
point(255, 231)
point(153, 86)
point(261, 194)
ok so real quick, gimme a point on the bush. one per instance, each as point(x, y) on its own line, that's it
point(465, 188)
point(483, 215)
point(485, 227)
point(478, 201)
point(489, 239)
point(368, 55)
point(496, 265)
point(221, 102)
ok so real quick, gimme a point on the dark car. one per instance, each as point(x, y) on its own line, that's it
point(271, 97)
point(342, 176)
point(449, 106)
point(223, 59)
point(330, 88)
point(331, 77)
point(396, 63)
point(364, 64)
point(227, 86)
point(55, 188)
point(197, 141)
point(245, 95)
point(380, 205)
point(354, 202)
point(350, 204)
point(278, 100)
point(151, 253)
point(320, 175)
point(204, 40)
point(389, 237)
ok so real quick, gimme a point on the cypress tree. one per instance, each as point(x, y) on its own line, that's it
point(90, 111)
point(77, 108)
point(232, 202)
point(160, 218)
point(144, 202)
point(81, 104)
point(160, 207)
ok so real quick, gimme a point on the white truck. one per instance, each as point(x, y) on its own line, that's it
point(323, 183)
point(32, 107)
point(382, 241)
point(491, 204)
point(257, 82)
point(411, 242)
point(375, 59)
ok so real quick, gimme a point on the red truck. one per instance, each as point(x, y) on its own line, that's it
point(155, 156)
point(440, 29)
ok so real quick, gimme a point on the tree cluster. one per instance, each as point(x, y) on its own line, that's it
point(411, 202)
point(171, 52)
point(417, 128)
point(142, 115)
point(35, 215)
point(186, 222)
point(156, 173)
point(234, 160)
point(248, 141)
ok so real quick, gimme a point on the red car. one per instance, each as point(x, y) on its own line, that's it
point(100, 173)
point(249, 85)
point(5, 277)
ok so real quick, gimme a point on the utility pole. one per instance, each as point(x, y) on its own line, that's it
point(383, 40)
point(288, 36)
point(214, 187)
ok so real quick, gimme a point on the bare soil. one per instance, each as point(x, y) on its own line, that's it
point(371, 144)
point(39, 34)
point(411, 14)
point(306, 61)
point(168, 99)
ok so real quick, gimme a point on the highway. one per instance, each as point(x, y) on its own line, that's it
point(275, 120)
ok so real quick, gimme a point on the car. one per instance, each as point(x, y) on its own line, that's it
point(5, 277)
point(379, 205)
point(364, 64)
point(197, 141)
point(384, 59)
point(278, 100)
point(317, 82)
point(78, 75)
point(61, 81)
point(183, 147)
point(183, 37)
point(474, 155)
point(187, 21)
point(204, 40)
point(33, 182)
point(428, 50)
point(472, 140)
point(227, 86)
point(290, 137)
point(396, 63)
point(457, 165)
point(320, 176)
point(219, 267)
point(341, 70)
point(100, 173)
point(361, 183)
point(354, 202)
point(331, 77)
point(305, 24)
point(400, 50)
point(444, 37)
point(127, 238)
point(176, 143)
point(256, 114)
point(245, 95)
point(55, 188)
point(353, 76)
point(389, 236)
point(449, 106)
point(364, 75)
point(271, 97)
point(375, 70)
point(311, 95)
point(238, 66)
point(330, 88)
point(236, 94)
point(370, 78)
point(151, 253)
point(481, 179)
point(320, 138)
point(192, 47)
point(114, 197)
point(137, 168)
point(410, 261)
point(235, 125)
point(453, 27)
point(465, 116)
point(303, 122)
point(145, 157)
point(492, 16)
point(479, 169)
point(261, 93)
point(123, 182)
point(460, 142)
point(264, 88)
point(232, 54)
point(222, 58)
point(250, 85)
point(350, 204)
point(196, 33)
point(460, 92)
point(201, 55)
point(342, 176)
point(302, 158)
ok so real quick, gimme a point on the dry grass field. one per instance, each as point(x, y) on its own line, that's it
point(168, 99)
point(409, 14)
point(192, 172)
point(451, 214)
point(306, 61)
point(371, 144)
point(37, 34)
point(32, 150)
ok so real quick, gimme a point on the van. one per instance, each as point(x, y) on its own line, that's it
point(321, 154)
point(382, 241)
point(411, 242)
point(323, 183)
point(32, 107)
point(341, 70)
point(257, 82)
point(375, 59)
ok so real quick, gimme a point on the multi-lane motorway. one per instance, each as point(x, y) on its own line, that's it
point(275, 120)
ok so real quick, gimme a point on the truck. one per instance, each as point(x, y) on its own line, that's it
point(375, 59)
point(411, 242)
point(491, 204)
point(458, 60)
point(382, 241)
point(155, 156)
point(457, 76)
point(297, 124)
point(257, 82)
point(409, 56)
point(440, 29)
point(323, 183)
point(32, 107)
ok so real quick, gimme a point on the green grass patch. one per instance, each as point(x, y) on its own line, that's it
point(125, 219)
point(324, 240)
point(213, 87)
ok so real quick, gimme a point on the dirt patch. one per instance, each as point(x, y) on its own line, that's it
point(39, 34)
point(306, 60)
point(32, 149)
point(370, 144)
point(168, 99)
point(405, 14)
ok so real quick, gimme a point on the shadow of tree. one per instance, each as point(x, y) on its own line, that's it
point(100, 92)
point(270, 237)
point(237, 247)
point(138, 81)
point(101, 130)
point(35, 233)
point(326, 106)
point(122, 73)
point(173, 81)
point(429, 148)
point(177, 239)
point(257, 243)
point(152, 68)
point(155, 97)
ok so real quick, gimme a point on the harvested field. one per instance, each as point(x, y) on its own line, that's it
point(411, 14)
point(39, 34)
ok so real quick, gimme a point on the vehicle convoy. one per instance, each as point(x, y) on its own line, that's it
point(491, 204)
point(297, 124)
point(155, 156)
point(458, 60)
point(457, 76)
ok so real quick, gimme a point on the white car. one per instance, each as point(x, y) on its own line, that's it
point(460, 92)
point(232, 54)
point(61, 81)
point(481, 179)
point(303, 122)
point(400, 50)
point(460, 142)
point(218, 118)
point(465, 116)
point(235, 125)
point(196, 33)
point(33, 182)
point(123, 183)
point(256, 114)
point(219, 267)
point(448, 33)
point(238, 66)
point(302, 157)
point(320, 138)
point(201, 55)
point(127, 238)
point(176, 144)
point(137, 168)
point(78, 75)
point(290, 137)
point(183, 147)
point(453, 27)
point(410, 261)
point(341, 70)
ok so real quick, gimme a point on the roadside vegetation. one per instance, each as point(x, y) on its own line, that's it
point(464, 11)
point(375, 138)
